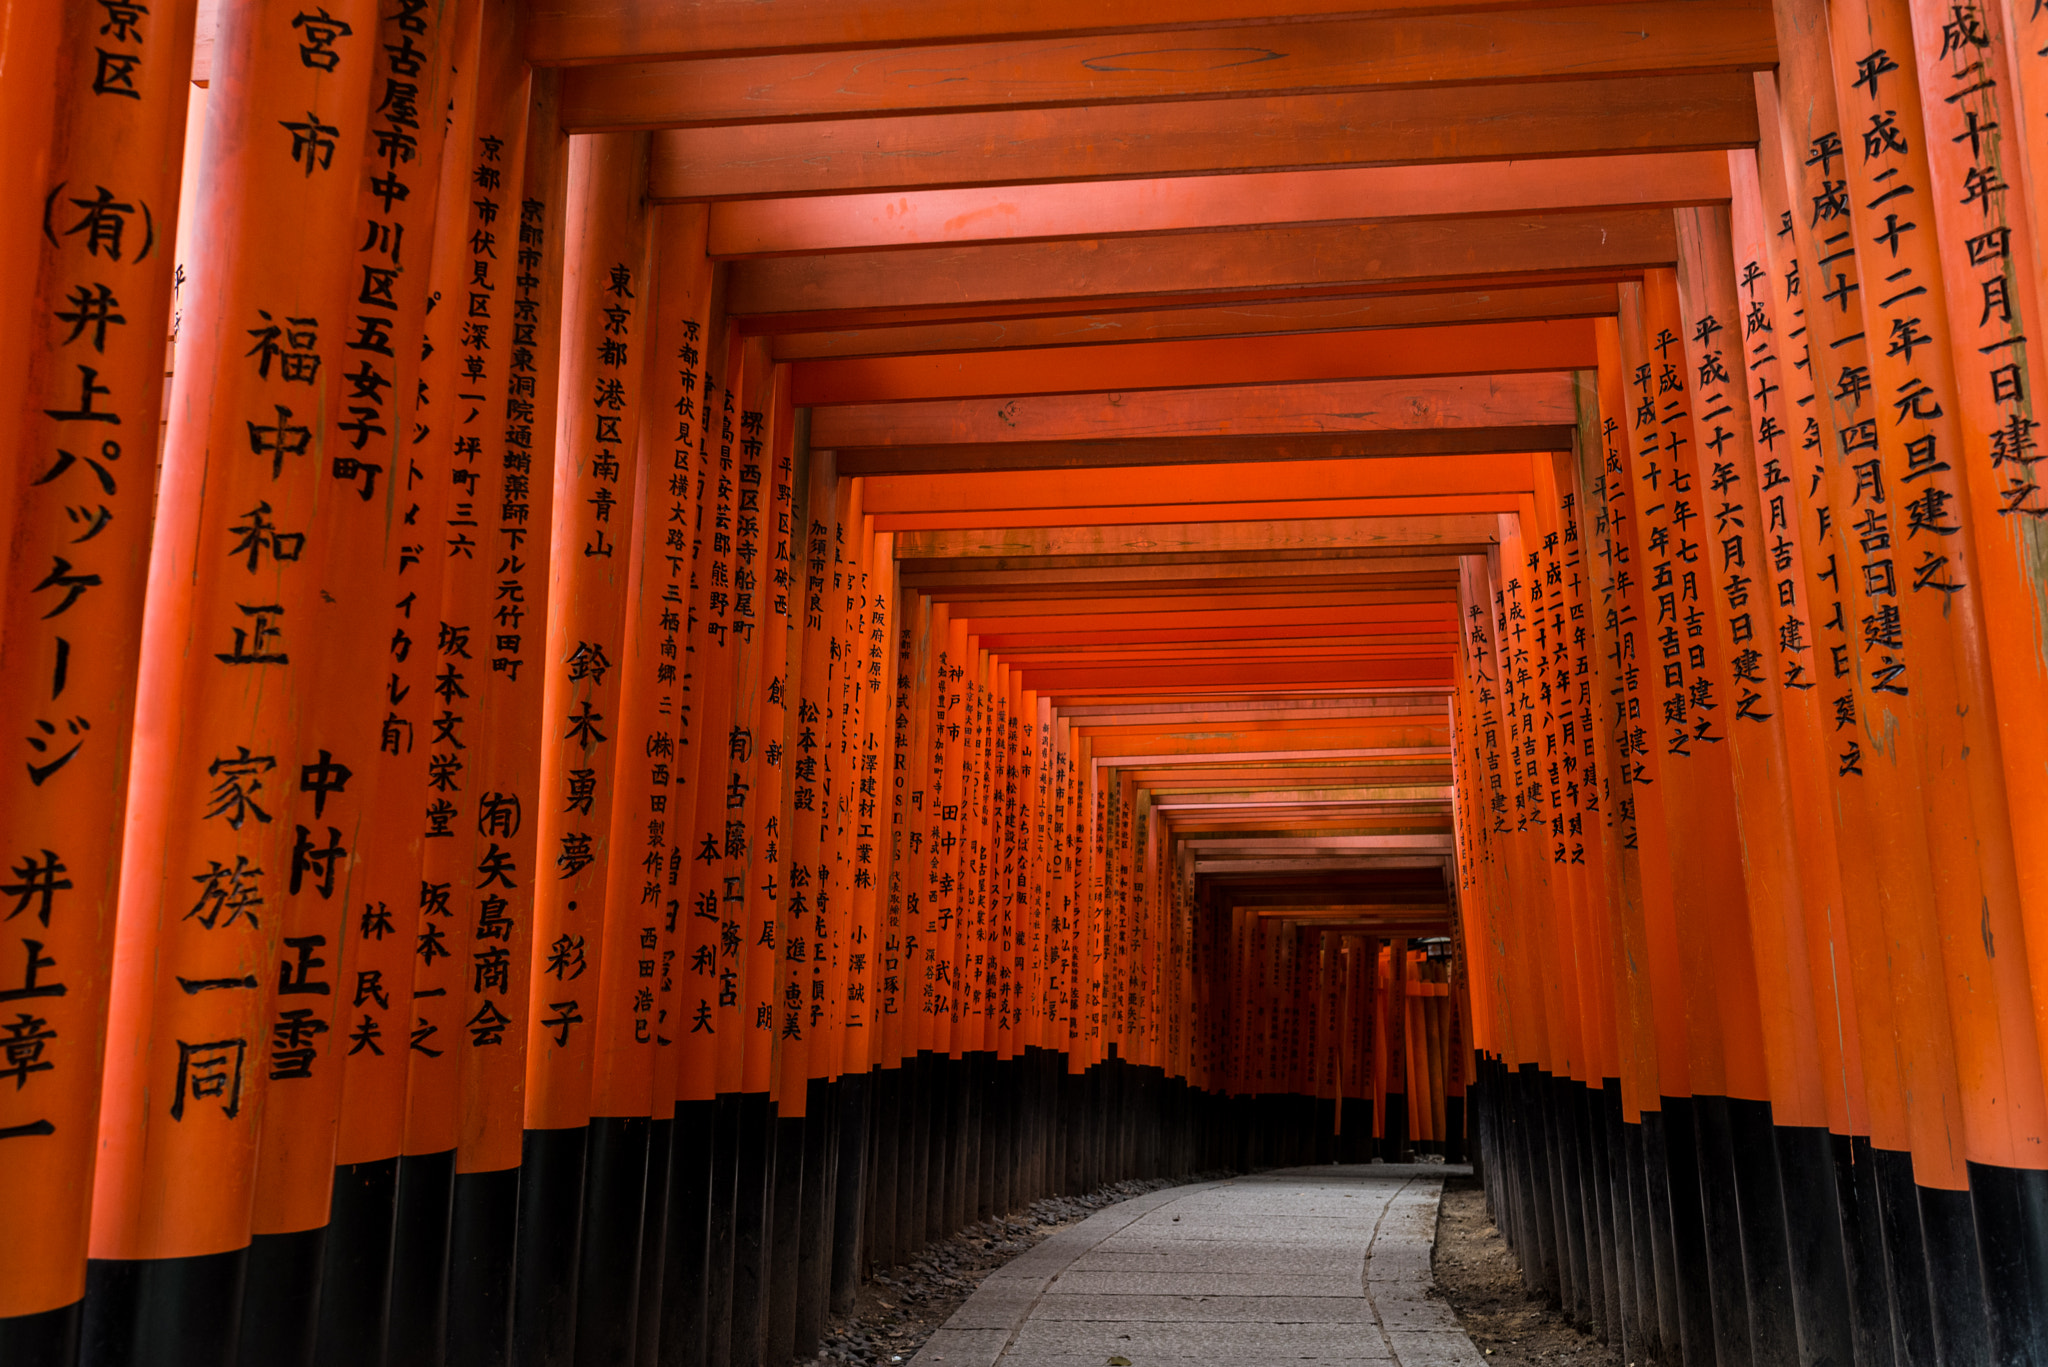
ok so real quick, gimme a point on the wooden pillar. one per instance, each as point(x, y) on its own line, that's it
point(95, 139)
point(230, 653)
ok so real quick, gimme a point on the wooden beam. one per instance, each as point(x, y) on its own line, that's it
point(1056, 683)
point(1158, 623)
point(1648, 37)
point(563, 32)
point(1015, 647)
point(1336, 706)
point(1395, 477)
point(1250, 510)
point(1470, 349)
point(1077, 455)
point(1246, 318)
point(1139, 609)
point(1311, 536)
point(1259, 410)
point(1027, 585)
point(1205, 267)
point(1359, 194)
point(1170, 660)
point(1316, 573)
point(1268, 133)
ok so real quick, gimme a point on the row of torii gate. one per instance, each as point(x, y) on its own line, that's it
point(662, 649)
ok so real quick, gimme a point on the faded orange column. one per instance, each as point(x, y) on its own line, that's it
point(228, 651)
point(95, 134)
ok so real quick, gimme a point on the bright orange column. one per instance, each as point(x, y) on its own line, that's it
point(95, 131)
point(1990, 273)
point(1723, 467)
point(758, 775)
point(710, 999)
point(606, 292)
point(380, 943)
point(206, 883)
point(1937, 621)
point(1790, 471)
point(653, 804)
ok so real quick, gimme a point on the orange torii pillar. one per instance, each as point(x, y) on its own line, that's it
point(709, 988)
point(1946, 392)
point(596, 455)
point(230, 656)
point(414, 206)
point(81, 374)
point(1792, 368)
point(655, 805)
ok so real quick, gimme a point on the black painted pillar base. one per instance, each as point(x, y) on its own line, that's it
point(608, 1265)
point(1905, 1256)
point(1670, 1342)
point(48, 1339)
point(1955, 1277)
point(689, 1218)
point(812, 1255)
point(849, 1205)
point(791, 1178)
point(2011, 1206)
point(355, 1282)
point(1857, 1200)
point(1817, 1262)
point(545, 1279)
point(416, 1316)
point(163, 1312)
point(725, 1173)
point(480, 1230)
point(281, 1298)
point(750, 1247)
point(654, 1241)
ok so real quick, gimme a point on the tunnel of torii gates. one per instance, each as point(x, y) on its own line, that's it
point(766, 628)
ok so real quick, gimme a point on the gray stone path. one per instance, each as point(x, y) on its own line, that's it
point(1326, 1264)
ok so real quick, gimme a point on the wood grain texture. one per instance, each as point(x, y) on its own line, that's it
point(1268, 133)
point(1209, 265)
point(1663, 38)
point(1356, 406)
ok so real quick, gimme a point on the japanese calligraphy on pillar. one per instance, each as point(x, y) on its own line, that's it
point(230, 849)
point(76, 506)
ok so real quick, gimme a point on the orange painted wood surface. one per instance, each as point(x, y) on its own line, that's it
point(1265, 133)
point(1190, 63)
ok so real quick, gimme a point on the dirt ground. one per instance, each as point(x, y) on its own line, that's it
point(1481, 1278)
point(899, 1307)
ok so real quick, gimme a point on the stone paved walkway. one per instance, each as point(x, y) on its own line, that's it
point(1326, 1265)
